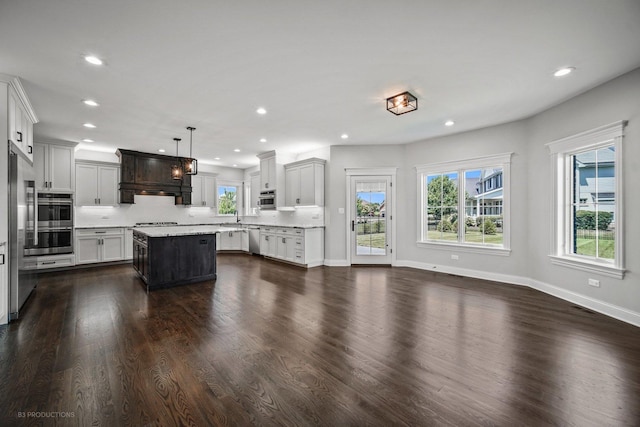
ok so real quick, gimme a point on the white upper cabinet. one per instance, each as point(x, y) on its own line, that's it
point(268, 178)
point(255, 191)
point(96, 184)
point(54, 167)
point(203, 190)
point(20, 116)
point(305, 183)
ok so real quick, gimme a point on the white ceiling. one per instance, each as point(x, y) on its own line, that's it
point(320, 68)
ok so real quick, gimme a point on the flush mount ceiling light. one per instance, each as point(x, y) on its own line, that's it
point(191, 164)
point(93, 60)
point(176, 169)
point(564, 71)
point(402, 103)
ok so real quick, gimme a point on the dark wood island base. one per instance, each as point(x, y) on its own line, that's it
point(172, 260)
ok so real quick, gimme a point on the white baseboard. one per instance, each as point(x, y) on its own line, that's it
point(602, 307)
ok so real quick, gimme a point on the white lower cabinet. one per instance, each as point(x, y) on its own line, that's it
point(233, 241)
point(99, 245)
point(296, 245)
point(128, 243)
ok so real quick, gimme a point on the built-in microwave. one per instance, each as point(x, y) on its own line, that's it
point(267, 200)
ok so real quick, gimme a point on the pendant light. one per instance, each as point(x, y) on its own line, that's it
point(176, 169)
point(191, 164)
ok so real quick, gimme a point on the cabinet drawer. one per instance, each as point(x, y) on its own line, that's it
point(99, 231)
point(55, 261)
point(299, 257)
point(298, 231)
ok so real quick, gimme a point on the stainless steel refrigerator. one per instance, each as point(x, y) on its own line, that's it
point(22, 222)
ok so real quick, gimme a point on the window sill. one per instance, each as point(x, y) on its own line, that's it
point(487, 250)
point(578, 264)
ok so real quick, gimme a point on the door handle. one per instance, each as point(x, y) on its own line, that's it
point(353, 226)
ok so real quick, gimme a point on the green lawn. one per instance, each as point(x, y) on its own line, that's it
point(375, 240)
point(606, 248)
point(470, 237)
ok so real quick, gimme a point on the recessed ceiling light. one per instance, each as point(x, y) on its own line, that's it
point(88, 140)
point(261, 111)
point(563, 71)
point(216, 158)
point(235, 166)
point(263, 139)
point(90, 102)
point(344, 136)
point(93, 60)
point(449, 123)
point(89, 125)
point(161, 150)
point(237, 150)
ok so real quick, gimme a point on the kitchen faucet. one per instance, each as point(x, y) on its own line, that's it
point(237, 216)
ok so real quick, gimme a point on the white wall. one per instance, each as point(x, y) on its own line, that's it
point(375, 156)
point(528, 263)
point(494, 140)
point(616, 100)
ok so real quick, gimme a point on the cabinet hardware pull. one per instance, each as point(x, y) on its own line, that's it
point(30, 149)
point(19, 136)
point(100, 232)
point(297, 200)
point(2, 255)
point(48, 262)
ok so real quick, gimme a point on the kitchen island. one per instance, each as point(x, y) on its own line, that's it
point(171, 256)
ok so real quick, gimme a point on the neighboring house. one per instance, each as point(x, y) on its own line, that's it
point(596, 177)
point(489, 193)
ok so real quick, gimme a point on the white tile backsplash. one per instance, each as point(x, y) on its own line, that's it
point(163, 209)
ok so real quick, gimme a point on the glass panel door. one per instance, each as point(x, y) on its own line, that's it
point(370, 233)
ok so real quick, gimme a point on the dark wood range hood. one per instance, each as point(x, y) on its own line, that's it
point(150, 174)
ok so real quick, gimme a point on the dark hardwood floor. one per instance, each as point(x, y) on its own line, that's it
point(272, 344)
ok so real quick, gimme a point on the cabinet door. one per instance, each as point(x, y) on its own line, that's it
point(196, 191)
point(281, 247)
point(60, 162)
point(264, 174)
point(128, 243)
point(209, 191)
point(41, 166)
point(87, 250)
point(11, 117)
point(86, 185)
point(244, 246)
point(107, 185)
point(112, 248)
point(292, 186)
point(307, 186)
point(264, 244)
point(255, 192)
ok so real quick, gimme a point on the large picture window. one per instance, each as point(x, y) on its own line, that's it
point(465, 203)
point(587, 190)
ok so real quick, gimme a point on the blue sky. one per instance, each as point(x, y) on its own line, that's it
point(372, 197)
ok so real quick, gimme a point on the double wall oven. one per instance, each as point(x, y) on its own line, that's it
point(49, 223)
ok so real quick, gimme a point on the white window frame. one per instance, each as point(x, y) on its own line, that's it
point(460, 166)
point(239, 195)
point(561, 151)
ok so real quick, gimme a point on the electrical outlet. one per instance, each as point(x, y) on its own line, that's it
point(594, 282)
point(454, 256)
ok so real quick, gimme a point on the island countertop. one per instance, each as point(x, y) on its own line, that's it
point(184, 230)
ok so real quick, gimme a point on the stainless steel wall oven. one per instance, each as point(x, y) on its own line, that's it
point(49, 223)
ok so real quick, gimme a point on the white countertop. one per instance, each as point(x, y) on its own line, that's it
point(224, 225)
point(184, 230)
